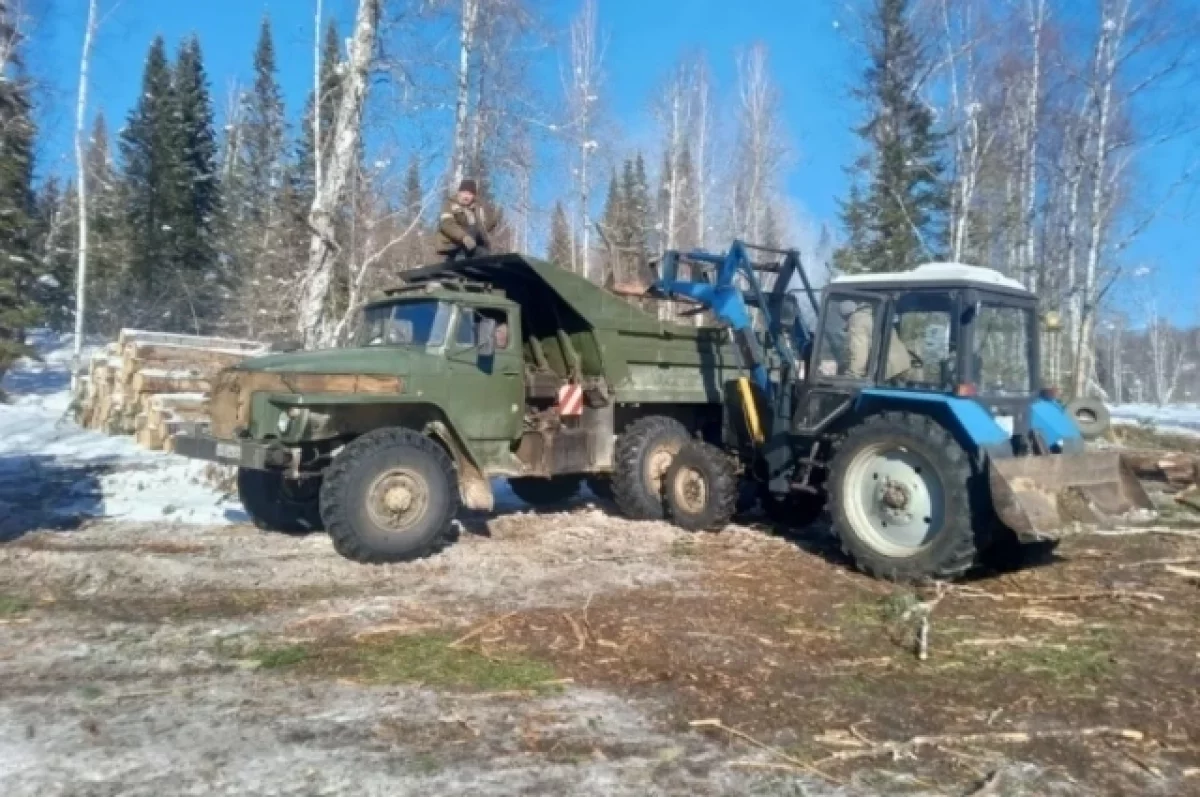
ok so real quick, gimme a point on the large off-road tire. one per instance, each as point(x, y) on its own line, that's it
point(701, 488)
point(1090, 416)
point(797, 510)
point(390, 496)
point(643, 456)
point(900, 495)
point(545, 492)
point(278, 504)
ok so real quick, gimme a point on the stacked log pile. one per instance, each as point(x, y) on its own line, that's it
point(152, 384)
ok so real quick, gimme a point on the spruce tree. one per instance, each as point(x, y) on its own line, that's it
point(898, 221)
point(150, 155)
point(17, 308)
point(263, 136)
point(414, 252)
point(107, 248)
point(561, 244)
point(612, 225)
point(197, 195)
point(55, 233)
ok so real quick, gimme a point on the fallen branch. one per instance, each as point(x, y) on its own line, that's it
point(1107, 594)
point(1193, 575)
point(580, 636)
point(908, 748)
point(485, 627)
point(795, 763)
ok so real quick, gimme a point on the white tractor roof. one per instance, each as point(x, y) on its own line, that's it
point(934, 273)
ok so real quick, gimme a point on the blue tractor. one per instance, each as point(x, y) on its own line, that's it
point(908, 404)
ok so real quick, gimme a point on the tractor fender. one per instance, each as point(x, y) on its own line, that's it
point(963, 417)
point(1053, 422)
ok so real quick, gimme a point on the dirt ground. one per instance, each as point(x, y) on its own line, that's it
point(576, 653)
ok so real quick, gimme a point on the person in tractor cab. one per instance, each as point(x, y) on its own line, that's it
point(466, 225)
point(860, 327)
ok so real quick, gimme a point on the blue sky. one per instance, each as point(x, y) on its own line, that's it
point(811, 61)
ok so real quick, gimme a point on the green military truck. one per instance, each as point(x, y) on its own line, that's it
point(499, 367)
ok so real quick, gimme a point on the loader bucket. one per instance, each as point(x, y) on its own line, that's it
point(1037, 496)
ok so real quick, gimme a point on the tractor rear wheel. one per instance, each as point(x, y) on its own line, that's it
point(643, 456)
point(545, 492)
point(701, 488)
point(900, 496)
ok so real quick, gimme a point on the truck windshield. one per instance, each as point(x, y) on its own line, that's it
point(420, 323)
point(1002, 350)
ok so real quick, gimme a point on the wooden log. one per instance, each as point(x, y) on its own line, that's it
point(1173, 467)
point(165, 353)
point(168, 382)
point(128, 336)
point(177, 402)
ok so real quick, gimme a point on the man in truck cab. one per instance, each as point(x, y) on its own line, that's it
point(466, 224)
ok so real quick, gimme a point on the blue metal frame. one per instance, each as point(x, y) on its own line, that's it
point(731, 304)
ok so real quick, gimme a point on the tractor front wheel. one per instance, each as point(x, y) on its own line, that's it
point(900, 499)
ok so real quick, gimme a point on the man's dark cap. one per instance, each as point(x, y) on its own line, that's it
point(468, 185)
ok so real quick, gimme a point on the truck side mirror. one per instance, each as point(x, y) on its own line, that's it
point(487, 337)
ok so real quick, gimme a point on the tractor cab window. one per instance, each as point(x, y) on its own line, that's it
point(1002, 350)
point(420, 323)
point(922, 342)
point(845, 348)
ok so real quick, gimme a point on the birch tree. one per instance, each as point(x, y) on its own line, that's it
point(81, 189)
point(760, 145)
point(583, 84)
point(314, 327)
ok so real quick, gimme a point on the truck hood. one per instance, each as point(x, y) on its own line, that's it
point(391, 361)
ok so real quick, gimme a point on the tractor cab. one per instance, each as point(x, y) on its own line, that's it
point(942, 327)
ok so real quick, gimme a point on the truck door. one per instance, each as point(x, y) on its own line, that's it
point(844, 358)
point(486, 390)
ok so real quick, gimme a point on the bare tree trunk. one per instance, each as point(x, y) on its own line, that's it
point(703, 143)
point(85, 60)
point(583, 91)
point(1031, 140)
point(1112, 32)
point(318, 150)
point(466, 50)
point(347, 131)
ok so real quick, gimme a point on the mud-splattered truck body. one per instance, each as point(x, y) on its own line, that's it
point(504, 366)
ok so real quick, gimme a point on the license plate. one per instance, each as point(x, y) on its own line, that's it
point(229, 451)
point(1005, 422)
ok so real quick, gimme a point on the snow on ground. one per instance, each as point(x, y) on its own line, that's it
point(1171, 419)
point(50, 467)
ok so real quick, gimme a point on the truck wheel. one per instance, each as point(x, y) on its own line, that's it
point(642, 458)
point(900, 498)
point(390, 496)
point(1090, 416)
point(545, 492)
point(278, 504)
point(701, 488)
point(797, 510)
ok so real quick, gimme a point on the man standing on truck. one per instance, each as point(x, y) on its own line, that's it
point(466, 224)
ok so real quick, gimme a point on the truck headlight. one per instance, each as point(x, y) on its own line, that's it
point(285, 420)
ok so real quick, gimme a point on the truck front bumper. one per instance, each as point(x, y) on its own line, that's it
point(235, 453)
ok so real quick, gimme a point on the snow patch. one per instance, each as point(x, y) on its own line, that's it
point(52, 469)
point(1170, 418)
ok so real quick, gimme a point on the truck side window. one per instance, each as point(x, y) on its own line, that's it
point(465, 334)
point(468, 324)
